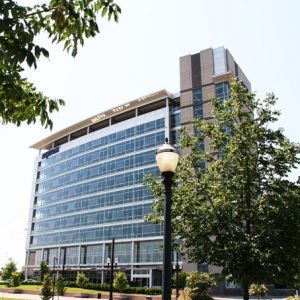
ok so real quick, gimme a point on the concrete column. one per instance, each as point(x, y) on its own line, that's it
point(78, 261)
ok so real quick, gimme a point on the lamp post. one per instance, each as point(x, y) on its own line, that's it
point(177, 267)
point(112, 262)
point(167, 160)
point(55, 259)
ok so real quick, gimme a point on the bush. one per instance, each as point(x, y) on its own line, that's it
point(293, 298)
point(199, 284)
point(258, 290)
point(70, 283)
point(60, 285)
point(31, 282)
point(181, 279)
point(120, 281)
point(14, 279)
point(46, 292)
point(141, 290)
point(81, 280)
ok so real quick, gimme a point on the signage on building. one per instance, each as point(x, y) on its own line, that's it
point(50, 152)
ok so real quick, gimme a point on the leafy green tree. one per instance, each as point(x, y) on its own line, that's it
point(199, 284)
point(81, 280)
point(242, 213)
point(120, 281)
point(9, 268)
point(15, 279)
point(60, 285)
point(46, 291)
point(68, 22)
point(44, 269)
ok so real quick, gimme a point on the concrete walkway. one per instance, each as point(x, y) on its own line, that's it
point(34, 297)
point(38, 297)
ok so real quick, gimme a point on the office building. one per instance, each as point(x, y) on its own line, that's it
point(88, 178)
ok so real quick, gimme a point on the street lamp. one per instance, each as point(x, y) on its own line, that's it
point(177, 267)
point(55, 259)
point(112, 262)
point(167, 160)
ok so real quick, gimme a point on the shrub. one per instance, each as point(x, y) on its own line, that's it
point(70, 283)
point(81, 280)
point(199, 284)
point(258, 290)
point(120, 281)
point(141, 290)
point(14, 279)
point(293, 298)
point(181, 279)
point(31, 282)
point(60, 285)
point(46, 292)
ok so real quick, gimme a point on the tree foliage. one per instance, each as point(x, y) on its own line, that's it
point(200, 284)
point(67, 22)
point(9, 268)
point(46, 291)
point(120, 281)
point(258, 290)
point(60, 285)
point(44, 270)
point(181, 279)
point(15, 279)
point(81, 280)
point(242, 213)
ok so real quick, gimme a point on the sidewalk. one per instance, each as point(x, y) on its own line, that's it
point(38, 297)
point(34, 297)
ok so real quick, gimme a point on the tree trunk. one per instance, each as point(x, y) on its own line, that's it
point(245, 291)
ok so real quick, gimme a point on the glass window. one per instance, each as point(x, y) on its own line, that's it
point(222, 91)
point(198, 103)
point(220, 63)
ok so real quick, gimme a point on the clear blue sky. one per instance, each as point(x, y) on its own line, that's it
point(140, 55)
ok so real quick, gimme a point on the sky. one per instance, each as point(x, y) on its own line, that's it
point(138, 56)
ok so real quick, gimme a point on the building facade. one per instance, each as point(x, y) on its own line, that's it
point(88, 178)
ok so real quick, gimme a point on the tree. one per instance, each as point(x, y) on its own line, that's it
point(9, 268)
point(44, 270)
point(120, 281)
point(70, 22)
point(46, 291)
point(81, 280)
point(242, 213)
point(15, 279)
point(60, 285)
point(199, 284)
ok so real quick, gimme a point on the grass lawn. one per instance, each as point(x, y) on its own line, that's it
point(69, 289)
point(78, 290)
point(24, 287)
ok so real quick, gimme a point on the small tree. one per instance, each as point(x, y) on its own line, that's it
point(46, 291)
point(120, 281)
point(44, 269)
point(9, 268)
point(60, 285)
point(181, 279)
point(258, 290)
point(81, 280)
point(15, 279)
point(199, 284)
